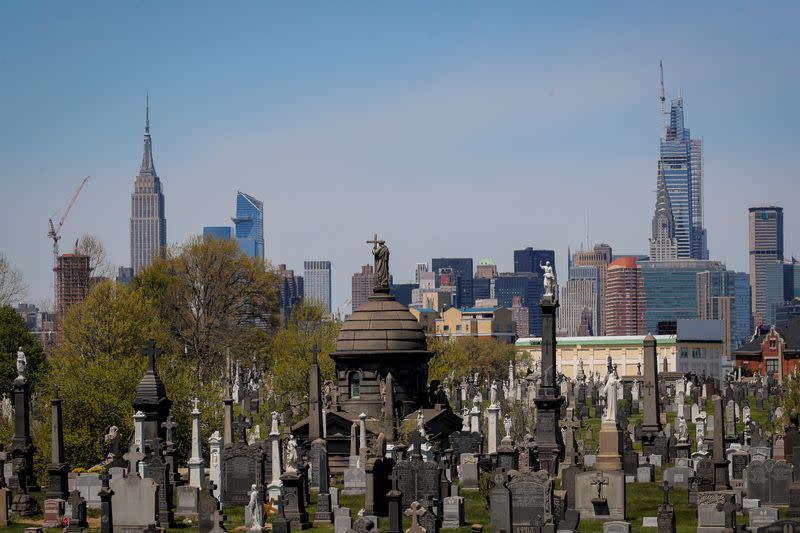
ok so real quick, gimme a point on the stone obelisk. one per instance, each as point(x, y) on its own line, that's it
point(548, 398)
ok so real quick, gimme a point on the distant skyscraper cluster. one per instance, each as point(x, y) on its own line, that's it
point(148, 222)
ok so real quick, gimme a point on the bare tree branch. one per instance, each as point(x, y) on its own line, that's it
point(12, 284)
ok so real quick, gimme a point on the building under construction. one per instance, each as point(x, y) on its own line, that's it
point(72, 282)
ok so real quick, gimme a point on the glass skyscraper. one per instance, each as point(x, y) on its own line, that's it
point(249, 222)
point(671, 289)
point(148, 223)
point(463, 273)
point(680, 166)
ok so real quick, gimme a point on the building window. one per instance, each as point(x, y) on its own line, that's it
point(458, 327)
point(355, 385)
point(772, 365)
point(684, 353)
point(772, 344)
point(695, 353)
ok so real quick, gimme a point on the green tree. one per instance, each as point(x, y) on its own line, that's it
point(456, 358)
point(290, 356)
point(14, 335)
point(214, 298)
point(98, 364)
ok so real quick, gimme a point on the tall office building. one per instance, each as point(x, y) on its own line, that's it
point(460, 277)
point(663, 244)
point(580, 295)
point(680, 165)
point(743, 329)
point(528, 287)
point(766, 246)
point(782, 280)
point(148, 223)
point(361, 286)
point(699, 232)
point(222, 233)
point(72, 282)
point(600, 256)
point(625, 298)
point(249, 222)
point(529, 259)
point(291, 291)
point(671, 290)
point(317, 283)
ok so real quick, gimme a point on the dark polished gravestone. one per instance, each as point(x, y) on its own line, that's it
point(531, 500)
point(465, 442)
point(704, 472)
point(417, 480)
point(243, 467)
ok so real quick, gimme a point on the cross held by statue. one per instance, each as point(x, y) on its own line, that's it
point(375, 241)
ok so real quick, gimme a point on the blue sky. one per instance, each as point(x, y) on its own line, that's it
point(450, 128)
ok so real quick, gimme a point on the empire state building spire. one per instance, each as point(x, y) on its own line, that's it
point(148, 168)
point(148, 223)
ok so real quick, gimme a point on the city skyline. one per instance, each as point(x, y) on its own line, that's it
point(500, 107)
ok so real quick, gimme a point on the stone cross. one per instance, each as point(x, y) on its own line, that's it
point(375, 241)
point(599, 481)
point(151, 351)
point(78, 505)
point(169, 426)
point(415, 511)
point(195, 402)
point(133, 457)
point(105, 477)
point(395, 479)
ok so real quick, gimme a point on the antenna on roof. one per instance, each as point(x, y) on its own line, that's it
point(662, 96)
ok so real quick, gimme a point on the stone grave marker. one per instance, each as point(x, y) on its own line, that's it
point(500, 504)
point(531, 500)
point(89, 486)
point(617, 526)
point(678, 476)
point(761, 516)
point(243, 467)
point(134, 502)
point(342, 521)
point(453, 514)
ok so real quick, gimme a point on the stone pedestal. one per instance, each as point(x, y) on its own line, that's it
point(492, 428)
point(683, 450)
point(611, 446)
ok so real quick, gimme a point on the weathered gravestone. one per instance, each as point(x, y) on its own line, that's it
point(600, 495)
point(617, 526)
point(210, 518)
point(135, 502)
point(704, 471)
point(716, 511)
point(761, 516)
point(342, 521)
point(468, 471)
point(531, 500)
point(678, 476)
point(768, 481)
point(500, 503)
point(89, 487)
point(417, 480)
point(739, 460)
point(453, 513)
point(77, 518)
point(187, 499)
point(355, 476)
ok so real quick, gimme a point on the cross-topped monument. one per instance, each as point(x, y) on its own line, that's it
point(151, 351)
point(381, 253)
point(415, 511)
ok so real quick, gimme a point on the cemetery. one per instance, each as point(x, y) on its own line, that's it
point(384, 449)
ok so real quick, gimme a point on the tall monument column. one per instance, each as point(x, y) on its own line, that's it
point(57, 469)
point(651, 424)
point(22, 449)
point(548, 398)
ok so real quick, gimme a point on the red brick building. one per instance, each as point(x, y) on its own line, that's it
point(775, 352)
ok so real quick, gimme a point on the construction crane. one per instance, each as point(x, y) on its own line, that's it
point(55, 229)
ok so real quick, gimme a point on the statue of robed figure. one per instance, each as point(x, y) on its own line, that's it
point(381, 253)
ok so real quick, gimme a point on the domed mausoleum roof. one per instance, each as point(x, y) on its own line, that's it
point(381, 325)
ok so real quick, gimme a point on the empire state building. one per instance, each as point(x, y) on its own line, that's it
point(148, 225)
